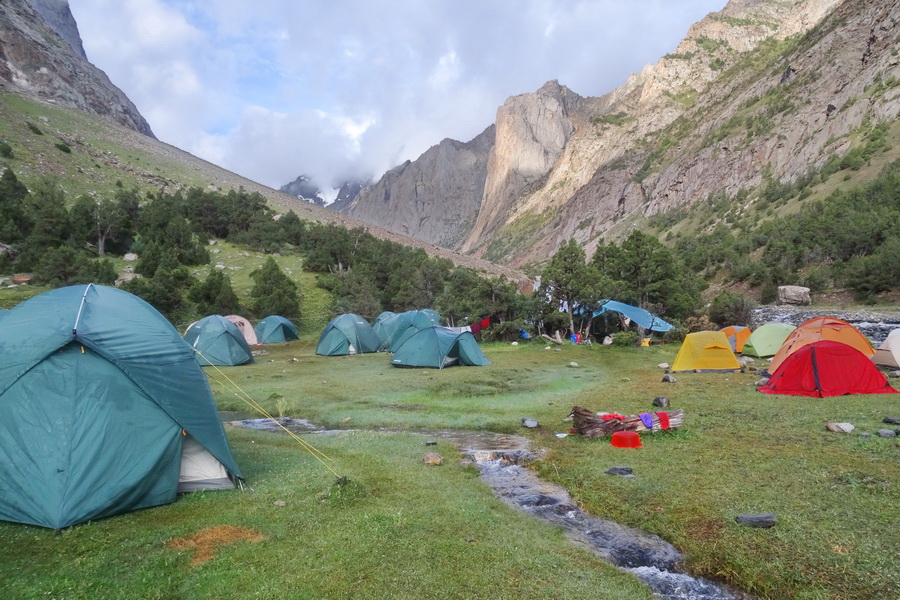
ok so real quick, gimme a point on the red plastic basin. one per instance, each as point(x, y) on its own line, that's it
point(626, 439)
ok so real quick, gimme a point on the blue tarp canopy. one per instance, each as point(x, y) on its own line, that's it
point(645, 319)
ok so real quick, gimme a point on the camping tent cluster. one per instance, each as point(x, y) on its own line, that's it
point(226, 341)
point(416, 339)
point(103, 410)
point(821, 357)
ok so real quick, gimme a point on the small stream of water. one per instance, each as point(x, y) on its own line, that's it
point(499, 459)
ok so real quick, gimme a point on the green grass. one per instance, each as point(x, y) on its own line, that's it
point(400, 529)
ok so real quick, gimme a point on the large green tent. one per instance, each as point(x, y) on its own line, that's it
point(347, 334)
point(218, 341)
point(439, 347)
point(412, 322)
point(103, 409)
point(767, 339)
point(275, 329)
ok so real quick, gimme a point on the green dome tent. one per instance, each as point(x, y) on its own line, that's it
point(439, 347)
point(274, 330)
point(218, 342)
point(412, 322)
point(103, 410)
point(766, 339)
point(347, 334)
point(384, 326)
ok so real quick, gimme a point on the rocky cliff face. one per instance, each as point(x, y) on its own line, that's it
point(41, 56)
point(434, 199)
point(760, 89)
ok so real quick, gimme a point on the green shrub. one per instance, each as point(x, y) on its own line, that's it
point(626, 338)
point(34, 128)
point(63, 147)
point(6, 150)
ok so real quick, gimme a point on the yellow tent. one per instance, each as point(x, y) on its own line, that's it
point(705, 351)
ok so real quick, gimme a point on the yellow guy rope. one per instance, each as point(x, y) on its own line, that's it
point(318, 454)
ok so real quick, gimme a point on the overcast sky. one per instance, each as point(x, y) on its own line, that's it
point(272, 89)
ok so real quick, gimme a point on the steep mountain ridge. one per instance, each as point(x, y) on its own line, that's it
point(760, 91)
point(41, 57)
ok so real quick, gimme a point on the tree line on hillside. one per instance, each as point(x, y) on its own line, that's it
point(64, 243)
point(848, 240)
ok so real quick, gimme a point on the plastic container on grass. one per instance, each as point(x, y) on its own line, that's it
point(626, 439)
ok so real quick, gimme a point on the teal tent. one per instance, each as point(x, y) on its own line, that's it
point(103, 410)
point(347, 334)
point(218, 341)
point(413, 321)
point(275, 329)
point(439, 347)
point(384, 326)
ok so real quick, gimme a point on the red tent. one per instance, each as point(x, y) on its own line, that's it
point(827, 368)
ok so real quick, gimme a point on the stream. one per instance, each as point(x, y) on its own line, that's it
point(500, 460)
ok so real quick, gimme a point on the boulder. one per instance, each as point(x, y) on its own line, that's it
point(432, 459)
point(668, 379)
point(887, 433)
point(793, 294)
point(529, 422)
point(840, 427)
point(620, 471)
point(661, 401)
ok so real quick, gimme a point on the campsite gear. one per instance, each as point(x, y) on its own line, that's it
point(821, 328)
point(643, 318)
point(439, 347)
point(218, 342)
point(103, 410)
point(888, 353)
point(705, 351)
point(245, 328)
point(347, 334)
point(588, 424)
point(737, 337)
point(626, 439)
point(275, 330)
point(664, 421)
point(767, 339)
point(826, 368)
point(647, 420)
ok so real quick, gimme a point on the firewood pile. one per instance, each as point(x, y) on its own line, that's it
point(587, 423)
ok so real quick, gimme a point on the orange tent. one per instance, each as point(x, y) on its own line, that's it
point(737, 335)
point(821, 328)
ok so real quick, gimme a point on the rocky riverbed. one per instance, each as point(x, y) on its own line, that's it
point(875, 324)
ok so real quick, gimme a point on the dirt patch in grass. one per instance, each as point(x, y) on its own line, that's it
point(206, 542)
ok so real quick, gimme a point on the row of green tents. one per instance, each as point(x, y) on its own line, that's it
point(415, 338)
point(226, 341)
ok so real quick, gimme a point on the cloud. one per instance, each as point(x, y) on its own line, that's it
point(278, 88)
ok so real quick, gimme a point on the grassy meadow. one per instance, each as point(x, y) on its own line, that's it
point(400, 529)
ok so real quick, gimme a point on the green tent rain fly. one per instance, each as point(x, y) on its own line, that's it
point(103, 410)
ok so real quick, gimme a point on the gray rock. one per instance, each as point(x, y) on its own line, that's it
point(891, 420)
point(865, 435)
point(761, 382)
point(840, 427)
point(668, 379)
point(431, 443)
point(529, 422)
point(619, 471)
point(661, 401)
point(764, 520)
point(887, 433)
